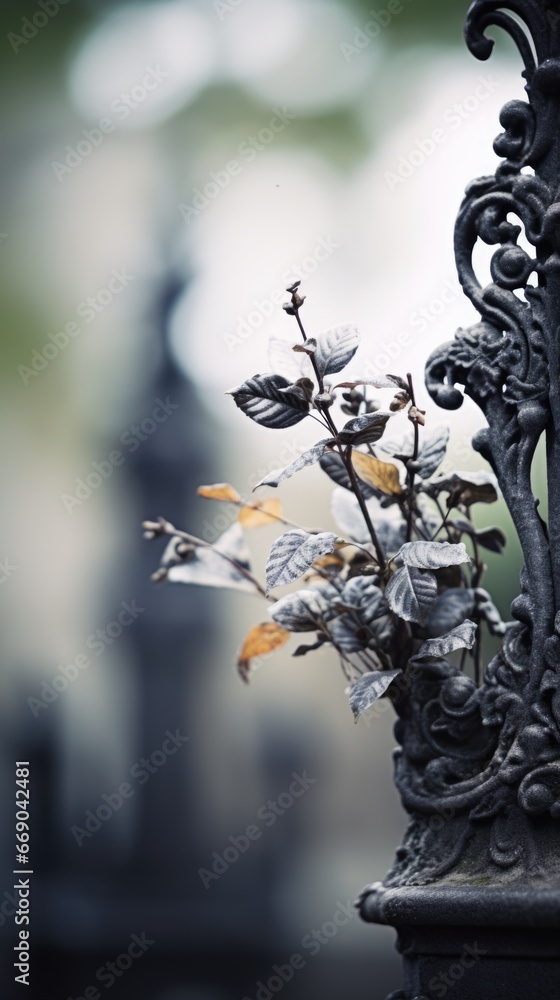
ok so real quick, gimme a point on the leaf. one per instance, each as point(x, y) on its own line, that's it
point(486, 607)
point(332, 464)
point(400, 447)
point(302, 611)
point(467, 488)
point(308, 647)
point(333, 559)
point(282, 360)
point(365, 692)
point(382, 382)
point(232, 543)
point(383, 476)
point(348, 635)
point(263, 512)
point(432, 451)
point(430, 518)
point(302, 388)
point(463, 636)
point(259, 641)
point(364, 430)
point(293, 553)
point(450, 609)
point(388, 522)
point(491, 538)
point(308, 347)
point(411, 593)
point(433, 555)
point(207, 568)
point(363, 595)
point(308, 457)
point(219, 491)
point(335, 349)
point(348, 516)
point(261, 398)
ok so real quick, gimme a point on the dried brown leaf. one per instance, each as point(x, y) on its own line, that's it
point(260, 640)
point(262, 512)
point(219, 491)
point(383, 476)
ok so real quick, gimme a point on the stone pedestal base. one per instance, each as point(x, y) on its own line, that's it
point(472, 943)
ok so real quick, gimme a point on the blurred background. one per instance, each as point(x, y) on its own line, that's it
point(168, 168)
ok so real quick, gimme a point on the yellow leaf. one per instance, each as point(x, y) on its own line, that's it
point(261, 512)
point(219, 491)
point(332, 559)
point(383, 476)
point(259, 641)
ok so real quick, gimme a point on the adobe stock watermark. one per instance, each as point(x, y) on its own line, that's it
point(311, 943)
point(225, 7)
point(132, 439)
point(248, 149)
point(141, 772)
point(109, 973)
point(419, 321)
point(7, 570)
point(31, 26)
point(268, 813)
point(440, 984)
point(88, 310)
point(263, 309)
point(452, 119)
point(228, 512)
point(97, 642)
point(122, 106)
point(363, 37)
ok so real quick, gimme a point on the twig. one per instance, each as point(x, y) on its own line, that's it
point(166, 528)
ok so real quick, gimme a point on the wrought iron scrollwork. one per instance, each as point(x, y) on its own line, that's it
point(479, 766)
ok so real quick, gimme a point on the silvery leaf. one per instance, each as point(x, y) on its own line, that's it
point(283, 361)
point(206, 567)
point(335, 349)
point(365, 692)
point(381, 382)
point(450, 609)
point(364, 430)
point(301, 611)
point(486, 607)
point(463, 636)
point(432, 452)
point(348, 635)
point(432, 555)
point(363, 595)
point(261, 398)
point(411, 593)
point(293, 553)
point(308, 457)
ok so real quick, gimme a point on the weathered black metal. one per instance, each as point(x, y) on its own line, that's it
point(479, 767)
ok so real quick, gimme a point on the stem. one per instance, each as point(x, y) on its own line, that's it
point(444, 519)
point(347, 460)
point(311, 356)
point(410, 472)
point(478, 568)
point(477, 657)
point(168, 529)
